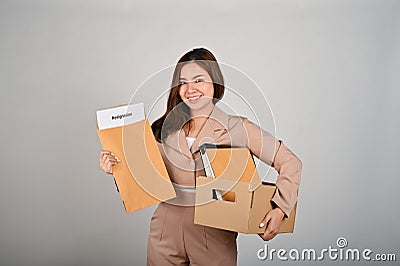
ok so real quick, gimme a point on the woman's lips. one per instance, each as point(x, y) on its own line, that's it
point(194, 99)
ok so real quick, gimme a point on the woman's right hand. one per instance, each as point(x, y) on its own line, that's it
point(107, 160)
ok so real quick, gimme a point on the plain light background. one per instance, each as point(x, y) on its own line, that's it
point(329, 70)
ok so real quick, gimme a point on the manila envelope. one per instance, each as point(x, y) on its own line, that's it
point(141, 176)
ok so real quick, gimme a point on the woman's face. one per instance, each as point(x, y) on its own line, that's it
point(196, 87)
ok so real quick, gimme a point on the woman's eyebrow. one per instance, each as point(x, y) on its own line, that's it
point(197, 76)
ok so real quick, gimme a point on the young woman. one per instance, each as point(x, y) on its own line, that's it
point(191, 119)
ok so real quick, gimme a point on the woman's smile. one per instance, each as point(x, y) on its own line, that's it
point(194, 99)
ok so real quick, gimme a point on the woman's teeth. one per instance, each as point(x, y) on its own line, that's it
point(194, 99)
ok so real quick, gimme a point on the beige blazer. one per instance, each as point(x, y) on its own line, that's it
point(184, 164)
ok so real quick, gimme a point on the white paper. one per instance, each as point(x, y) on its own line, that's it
point(120, 116)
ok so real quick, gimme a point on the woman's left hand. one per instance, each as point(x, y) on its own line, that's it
point(273, 220)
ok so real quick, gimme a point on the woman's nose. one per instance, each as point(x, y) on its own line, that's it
point(191, 87)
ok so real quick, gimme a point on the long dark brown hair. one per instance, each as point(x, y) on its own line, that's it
point(179, 114)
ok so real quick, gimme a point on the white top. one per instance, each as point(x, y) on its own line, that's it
point(190, 141)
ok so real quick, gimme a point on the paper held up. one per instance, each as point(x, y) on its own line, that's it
point(141, 176)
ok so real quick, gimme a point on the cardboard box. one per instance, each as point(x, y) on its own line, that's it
point(141, 176)
point(245, 199)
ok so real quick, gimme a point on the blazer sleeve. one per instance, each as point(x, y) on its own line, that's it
point(275, 153)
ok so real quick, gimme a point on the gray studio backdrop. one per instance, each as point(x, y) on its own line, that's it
point(329, 70)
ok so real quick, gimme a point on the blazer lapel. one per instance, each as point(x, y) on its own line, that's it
point(177, 141)
point(214, 131)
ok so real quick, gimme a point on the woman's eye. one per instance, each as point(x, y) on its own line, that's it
point(181, 83)
point(198, 80)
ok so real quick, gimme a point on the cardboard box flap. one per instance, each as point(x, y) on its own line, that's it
point(261, 205)
point(232, 163)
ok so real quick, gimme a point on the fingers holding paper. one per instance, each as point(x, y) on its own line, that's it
point(107, 160)
point(272, 221)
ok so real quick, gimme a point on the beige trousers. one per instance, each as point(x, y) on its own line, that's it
point(175, 240)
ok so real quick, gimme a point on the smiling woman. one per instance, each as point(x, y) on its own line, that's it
point(191, 119)
point(197, 74)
